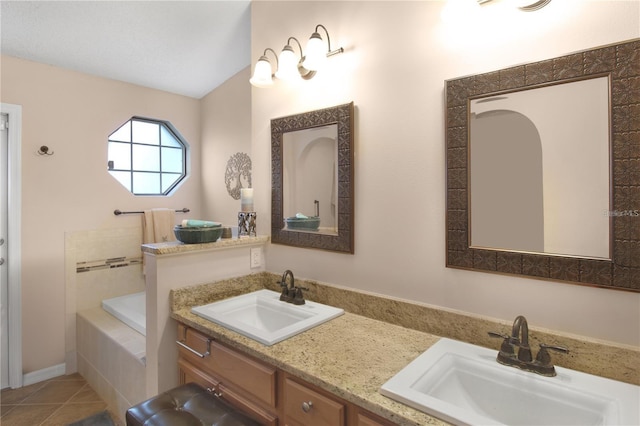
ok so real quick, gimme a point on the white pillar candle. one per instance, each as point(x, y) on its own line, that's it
point(246, 199)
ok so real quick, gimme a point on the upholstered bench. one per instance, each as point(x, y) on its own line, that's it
point(186, 405)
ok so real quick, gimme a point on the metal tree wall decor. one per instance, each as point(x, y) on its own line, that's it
point(238, 171)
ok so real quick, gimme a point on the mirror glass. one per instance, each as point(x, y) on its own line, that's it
point(539, 170)
point(310, 179)
point(570, 125)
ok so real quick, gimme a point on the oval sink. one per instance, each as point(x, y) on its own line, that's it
point(463, 384)
point(261, 316)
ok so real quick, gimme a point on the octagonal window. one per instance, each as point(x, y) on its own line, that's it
point(148, 157)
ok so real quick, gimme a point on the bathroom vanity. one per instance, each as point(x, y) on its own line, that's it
point(329, 375)
point(261, 389)
point(335, 370)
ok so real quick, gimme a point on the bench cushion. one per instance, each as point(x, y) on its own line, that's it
point(186, 405)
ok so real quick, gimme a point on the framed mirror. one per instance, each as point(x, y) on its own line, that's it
point(563, 182)
point(312, 179)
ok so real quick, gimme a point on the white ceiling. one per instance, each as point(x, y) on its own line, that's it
point(184, 47)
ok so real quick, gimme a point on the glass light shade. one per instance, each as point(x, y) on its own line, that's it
point(262, 73)
point(287, 65)
point(316, 53)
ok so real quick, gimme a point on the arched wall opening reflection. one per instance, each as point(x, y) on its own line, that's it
point(507, 201)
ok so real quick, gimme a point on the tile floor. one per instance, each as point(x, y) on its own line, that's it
point(55, 402)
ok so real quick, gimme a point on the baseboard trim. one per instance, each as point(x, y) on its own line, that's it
point(44, 374)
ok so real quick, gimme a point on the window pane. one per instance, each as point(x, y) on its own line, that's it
point(171, 160)
point(144, 132)
point(123, 133)
point(120, 154)
point(168, 139)
point(168, 180)
point(146, 183)
point(146, 158)
point(124, 178)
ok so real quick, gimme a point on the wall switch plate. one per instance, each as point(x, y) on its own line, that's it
point(256, 257)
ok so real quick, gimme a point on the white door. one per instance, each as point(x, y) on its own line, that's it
point(4, 190)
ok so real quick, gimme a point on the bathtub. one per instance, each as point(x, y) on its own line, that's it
point(116, 328)
point(130, 309)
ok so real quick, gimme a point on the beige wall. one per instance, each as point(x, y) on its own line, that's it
point(398, 55)
point(226, 130)
point(73, 114)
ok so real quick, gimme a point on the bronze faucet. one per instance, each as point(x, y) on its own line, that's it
point(520, 338)
point(288, 291)
point(291, 293)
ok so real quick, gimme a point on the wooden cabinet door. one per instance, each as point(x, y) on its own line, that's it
point(304, 406)
point(189, 372)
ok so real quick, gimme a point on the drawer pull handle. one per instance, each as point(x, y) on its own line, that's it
point(214, 392)
point(207, 353)
point(307, 406)
point(183, 344)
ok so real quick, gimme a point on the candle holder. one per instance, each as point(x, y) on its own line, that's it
point(247, 224)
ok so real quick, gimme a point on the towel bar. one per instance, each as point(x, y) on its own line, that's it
point(119, 212)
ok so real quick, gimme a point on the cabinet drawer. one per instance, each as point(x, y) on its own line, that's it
point(230, 366)
point(190, 373)
point(369, 420)
point(305, 407)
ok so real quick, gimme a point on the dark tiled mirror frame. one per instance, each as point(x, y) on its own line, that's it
point(342, 115)
point(621, 62)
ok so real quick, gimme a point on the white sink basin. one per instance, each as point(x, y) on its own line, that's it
point(463, 384)
point(261, 316)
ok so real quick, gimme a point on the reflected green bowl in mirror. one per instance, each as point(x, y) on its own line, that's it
point(303, 224)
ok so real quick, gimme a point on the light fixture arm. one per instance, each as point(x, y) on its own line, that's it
point(299, 46)
point(329, 51)
point(535, 5)
point(268, 49)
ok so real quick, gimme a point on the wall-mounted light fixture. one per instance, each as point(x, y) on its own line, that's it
point(288, 66)
point(262, 76)
point(525, 5)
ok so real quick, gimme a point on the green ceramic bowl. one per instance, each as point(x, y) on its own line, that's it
point(303, 224)
point(197, 235)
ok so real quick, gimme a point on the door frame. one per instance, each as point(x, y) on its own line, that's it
point(14, 243)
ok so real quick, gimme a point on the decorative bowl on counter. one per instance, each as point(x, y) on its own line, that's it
point(303, 224)
point(197, 234)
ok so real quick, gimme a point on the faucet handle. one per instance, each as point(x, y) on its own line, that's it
point(298, 298)
point(554, 348)
point(506, 347)
point(543, 356)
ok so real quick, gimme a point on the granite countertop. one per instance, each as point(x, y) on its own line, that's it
point(354, 354)
point(350, 356)
point(176, 247)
